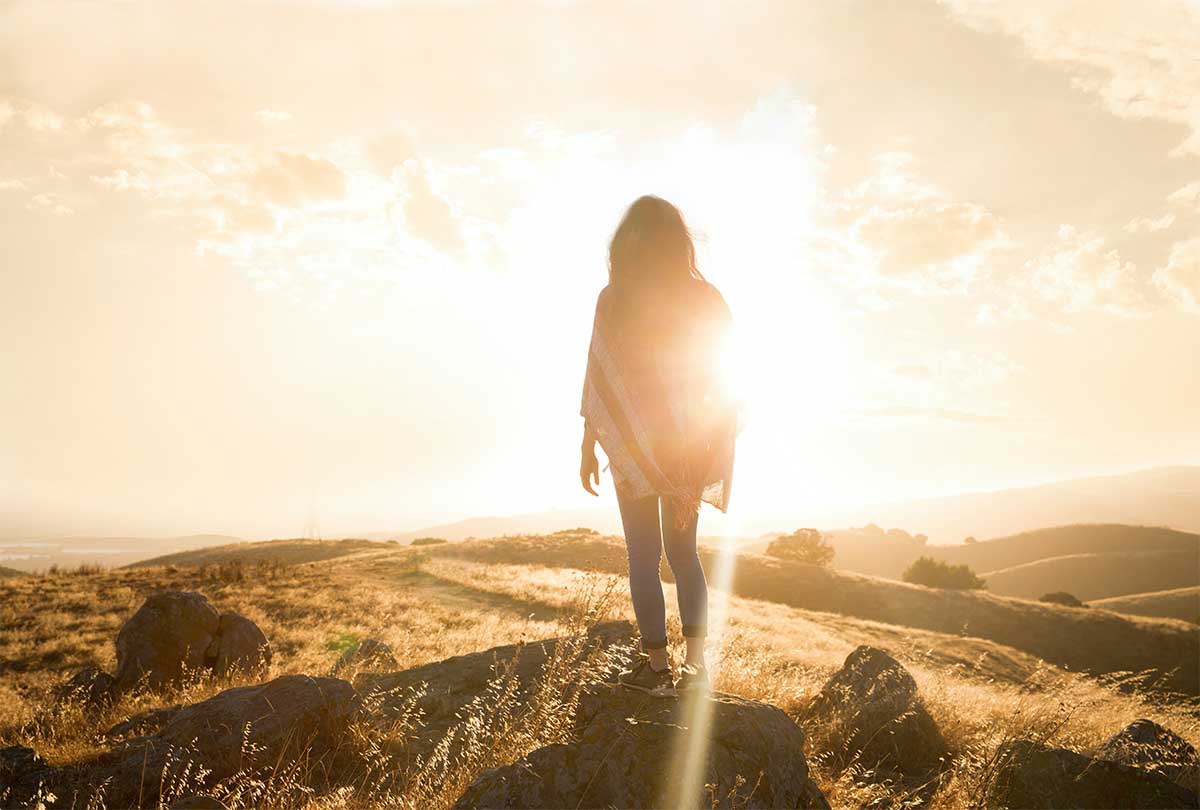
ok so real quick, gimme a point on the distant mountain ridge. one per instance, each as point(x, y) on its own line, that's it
point(1159, 496)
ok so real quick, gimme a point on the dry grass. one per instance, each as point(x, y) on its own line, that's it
point(428, 606)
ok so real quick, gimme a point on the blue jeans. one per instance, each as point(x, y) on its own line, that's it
point(645, 537)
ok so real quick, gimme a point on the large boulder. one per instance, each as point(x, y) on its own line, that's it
point(239, 647)
point(168, 636)
point(367, 655)
point(1145, 744)
point(872, 707)
point(1033, 776)
point(633, 750)
point(248, 728)
point(178, 633)
point(441, 690)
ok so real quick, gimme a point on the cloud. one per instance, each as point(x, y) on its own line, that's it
point(293, 179)
point(1078, 273)
point(429, 216)
point(386, 152)
point(915, 236)
point(12, 184)
point(1179, 279)
point(47, 204)
point(1187, 196)
point(270, 118)
point(1147, 225)
point(1140, 61)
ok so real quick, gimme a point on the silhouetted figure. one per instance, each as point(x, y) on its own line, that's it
point(655, 401)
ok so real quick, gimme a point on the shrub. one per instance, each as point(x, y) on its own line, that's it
point(1061, 598)
point(428, 541)
point(937, 574)
point(802, 545)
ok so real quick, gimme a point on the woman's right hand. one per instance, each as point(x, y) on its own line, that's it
point(589, 468)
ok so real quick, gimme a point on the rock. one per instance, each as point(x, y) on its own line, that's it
point(872, 706)
point(1145, 744)
point(239, 647)
point(632, 750)
point(1031, 775)
point(198, 803)
point(143, 723)
point(90, 688)
point(22, 771)
point(249, 727)
point(169, 635)
point(452, 684)
point(178, 632)
point(370, 654)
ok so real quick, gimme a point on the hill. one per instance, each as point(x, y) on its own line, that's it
point(1160, 496)
point(1179, 603)
point(279, 552)
point(1058, 541)
point(39, 554)
point(1098, 576)
point(1074, 638)
point(450, 600)
point(874, 551)
point(11, 572)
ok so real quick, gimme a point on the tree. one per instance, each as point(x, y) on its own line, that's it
point(970, 540)
point(937, 574)
point(802, 545)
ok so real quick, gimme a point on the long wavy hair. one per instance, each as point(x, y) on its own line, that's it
point(652, 246)
point(651, 270)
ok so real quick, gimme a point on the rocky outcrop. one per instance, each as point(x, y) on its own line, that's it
point(90, 688)
point(633, 750)
point(143, 723)
point(169, 635)
point(176, 633)
point(1145, 744)
point(439, 691)
point(22, 774)
point(1031, 775)
point(872, 707)
point(367, 655)
point(267, 725)
point(239, 647)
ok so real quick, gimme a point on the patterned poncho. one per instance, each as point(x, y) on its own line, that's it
point(654, 398)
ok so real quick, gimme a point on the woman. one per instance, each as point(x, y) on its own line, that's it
point(654, 401)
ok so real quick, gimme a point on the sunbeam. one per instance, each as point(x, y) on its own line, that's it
point(685, 783)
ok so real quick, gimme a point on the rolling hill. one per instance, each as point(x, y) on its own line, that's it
point(11, 572)
point(1098, 576)
point(1090, 561)
point(1079, 639)
point(1159, 496)
point(784, 629)
point(1179, 603)
point(280, 552)
point(39, 554)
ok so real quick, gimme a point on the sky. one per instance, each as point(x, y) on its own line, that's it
point(268, 268)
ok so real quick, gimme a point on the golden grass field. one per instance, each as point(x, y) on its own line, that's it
point(434, 602)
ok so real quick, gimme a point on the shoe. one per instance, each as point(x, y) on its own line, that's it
point(693, 678)
point(646, 678)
